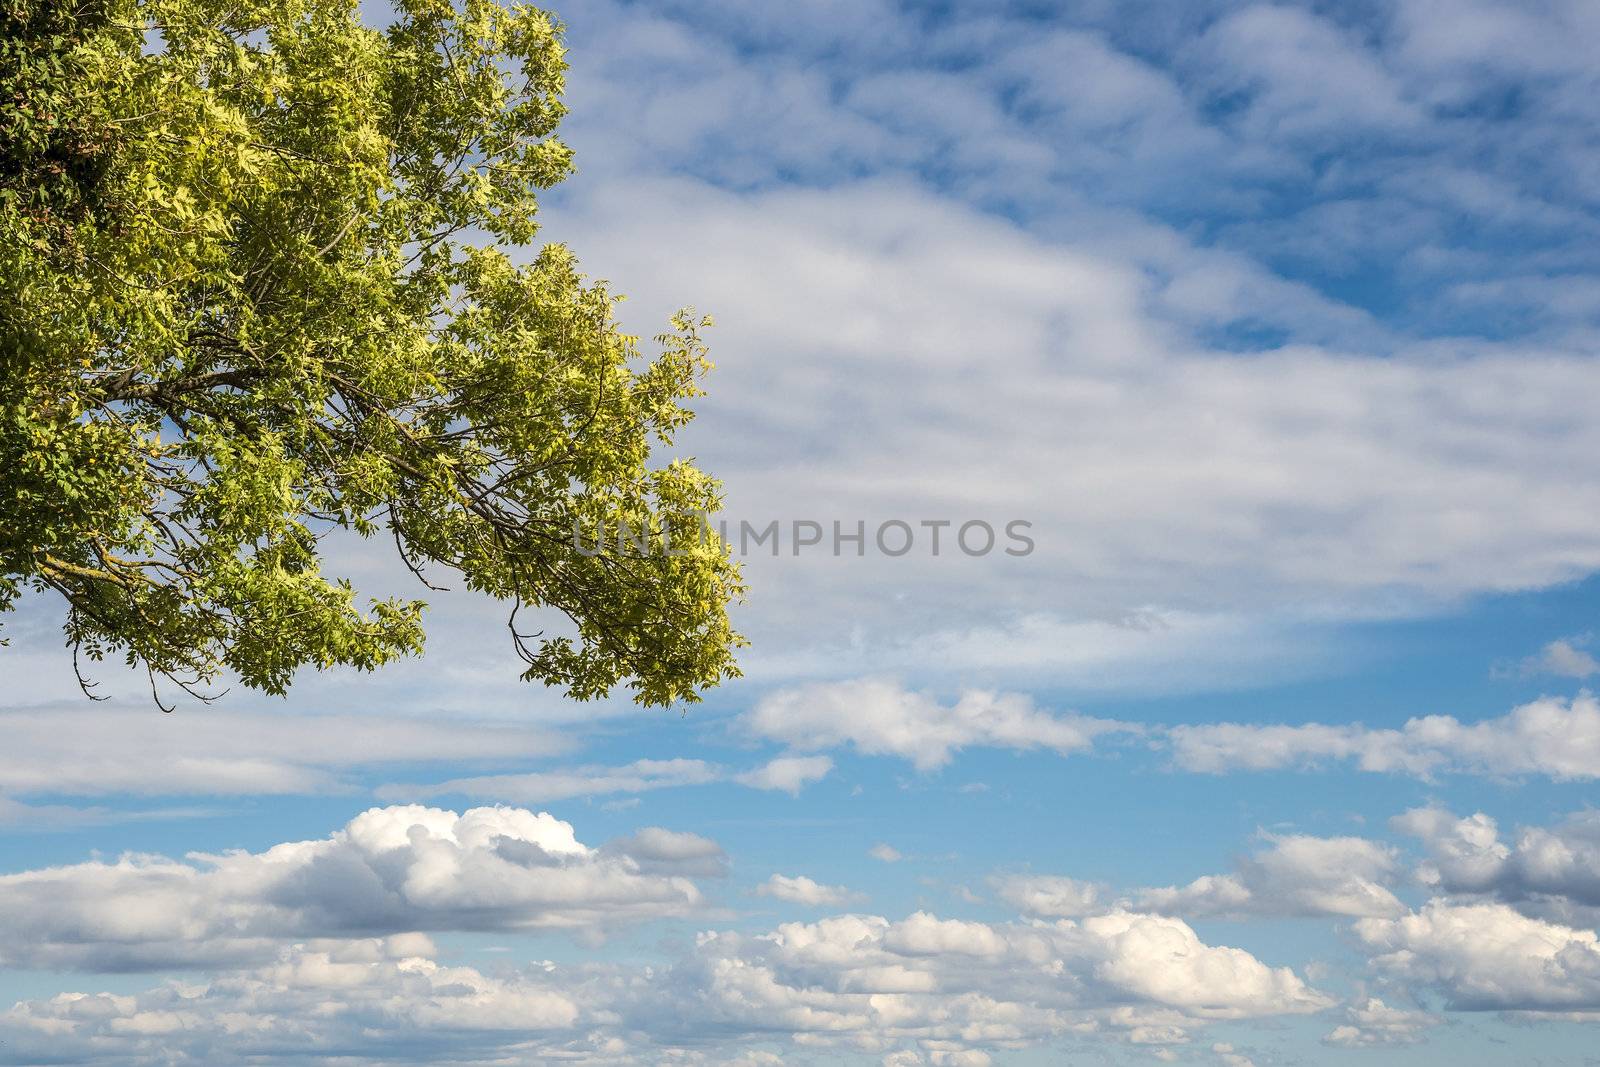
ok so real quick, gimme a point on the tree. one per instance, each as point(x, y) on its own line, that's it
point(267, 273)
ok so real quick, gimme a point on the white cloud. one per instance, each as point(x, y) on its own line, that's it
point(1549, 872)
point(538, 787)
point(389, 870)
point(364, 1001)
point(14, 813)
point(1488, 957)
point(880, 717)
point(1051, 896)
point(1372, 1022)
point(1465, 855)
point(1148, 651)
point(802, 890)
point(1564, 658)
point(1077, 361)
point(1176, 472)
point(99, 750)
point(1297, 875)
point(789, 774)
point(885, 853)
point(922, 990)
point(1301, 77)
point(966, 985)
point(661, 851)
point(1549, 736)
point(1230, 1056)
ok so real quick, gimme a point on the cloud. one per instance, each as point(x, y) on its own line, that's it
point(802, 890)
point(1150, 651)
point(364, 1001)
point(389, 870)
point(1563, 658)
point(1008, 308)
point(920, 990)
point(1296, 876)
point(100, 751)
point(16, 815)
point(1372, 1022)
point(789, 774)
point(1488, 957)
point(1171, 476)
point(540, 787)
point(968, 984)
point(1116, 281)
point(1230, 1056)
point(885, 853)
point(1293, 76)
point(660, 851)
point(880, 717)
point(1051, 896)
point(1549, 872)
point(786, 773)
point(1551, 737)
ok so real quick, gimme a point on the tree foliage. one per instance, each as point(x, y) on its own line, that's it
point(267, 273)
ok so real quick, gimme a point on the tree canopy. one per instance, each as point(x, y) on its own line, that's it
point(268, 273)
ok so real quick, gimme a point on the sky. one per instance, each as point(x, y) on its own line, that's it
point(1275, 327)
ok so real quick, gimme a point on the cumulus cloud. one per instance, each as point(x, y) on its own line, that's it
point(927, 979)
point(389, 870)
point(364, 1001)
point(880, 717)
point(1296, 876)
point(802, 890)
point(885, 853)
point(1552, 872)
point(1051, 896)
point(1565, 658)
point(920, 990)
point(1552, 737)
point(1488, 957)
point(1372, 1022)
point(1230, 1056)
point(790, 774)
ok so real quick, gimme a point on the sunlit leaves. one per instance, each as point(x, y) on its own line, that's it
point(266, 273)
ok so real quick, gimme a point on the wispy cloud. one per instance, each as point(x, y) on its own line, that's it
point(100, 751)
point(1552, 737)
point(881, 717)
point(537, 787)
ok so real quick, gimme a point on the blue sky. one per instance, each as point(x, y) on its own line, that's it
point(1277, 322)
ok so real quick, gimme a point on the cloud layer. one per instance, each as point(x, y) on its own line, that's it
point(947, 989)
point(1550, 736)
point(79, 750)
point(390, 870)
point(879, 717)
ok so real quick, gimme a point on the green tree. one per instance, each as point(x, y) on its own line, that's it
point(267, 273)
